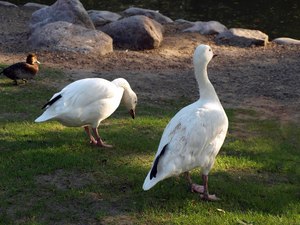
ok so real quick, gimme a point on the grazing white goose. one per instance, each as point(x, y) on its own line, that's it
point(87, 102)
point(194, 135)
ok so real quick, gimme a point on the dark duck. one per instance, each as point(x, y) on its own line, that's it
point(22, 70)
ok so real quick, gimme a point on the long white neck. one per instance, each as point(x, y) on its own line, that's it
point(206, 89)
point(126, 91)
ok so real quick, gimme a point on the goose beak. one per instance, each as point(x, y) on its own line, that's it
point(38, 62)
point(132, 113)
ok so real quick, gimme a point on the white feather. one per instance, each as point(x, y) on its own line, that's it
point(87, 102)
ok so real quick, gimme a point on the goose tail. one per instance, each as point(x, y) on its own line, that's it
point(44, 117)
point(40, 119)
point(149, 183)
point(55, 98)
point(49, 113)
point(153, 176)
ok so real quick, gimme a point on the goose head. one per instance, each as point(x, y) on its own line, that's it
point(129, 98)
point(130, 101)
point(203, 54)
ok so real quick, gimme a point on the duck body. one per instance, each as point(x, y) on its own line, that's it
point(23, 70)
point(194, 136)
point(87, 102)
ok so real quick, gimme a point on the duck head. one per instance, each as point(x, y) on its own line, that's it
point(32, 59)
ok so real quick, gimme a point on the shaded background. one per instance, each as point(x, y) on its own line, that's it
point(277, 18)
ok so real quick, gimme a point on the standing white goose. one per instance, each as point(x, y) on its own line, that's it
point(87, 102)
point(194, 135)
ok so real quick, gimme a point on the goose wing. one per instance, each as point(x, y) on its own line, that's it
point(86, 91)
point(86, 94)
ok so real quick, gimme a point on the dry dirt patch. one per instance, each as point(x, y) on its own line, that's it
point(64, 180)
point(243, 77)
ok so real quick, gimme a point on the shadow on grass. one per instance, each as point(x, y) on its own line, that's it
point(119, 173)
point(266, 186)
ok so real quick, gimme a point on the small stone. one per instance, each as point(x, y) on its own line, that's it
point(286, 41)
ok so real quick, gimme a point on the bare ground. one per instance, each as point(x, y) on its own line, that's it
point(266, 79)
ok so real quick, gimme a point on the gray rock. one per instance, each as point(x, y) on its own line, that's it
point(65, 36)
point(155, 15)
point(210, 27)
point(101, 18)
point(136, 33)
point(35, 6)
point(71, 11)
point(7, 4)
point(184, 21)
point(242, 37)
point(286, 41)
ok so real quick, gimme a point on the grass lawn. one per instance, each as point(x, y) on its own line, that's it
point(49, 174)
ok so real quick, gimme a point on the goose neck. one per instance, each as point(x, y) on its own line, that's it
point(206, 89)
point(201, 75)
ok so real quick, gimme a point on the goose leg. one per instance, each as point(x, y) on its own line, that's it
point(100, 143)
point(194, 187)
point(206, 196)
point(92, 139)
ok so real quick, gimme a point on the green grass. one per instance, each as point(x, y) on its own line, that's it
point(50, 175)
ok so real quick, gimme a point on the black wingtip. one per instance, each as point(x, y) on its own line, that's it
point(52, 101)
point(154, 168)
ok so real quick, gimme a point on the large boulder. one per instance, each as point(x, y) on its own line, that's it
point(210, 27)
point(242, 37)
point(71, 11)
point(135, 32)
point(8, 4)
point(34, 6)
point(101, 18)
point(155, 15)
point(183, 21)
point(65, 36)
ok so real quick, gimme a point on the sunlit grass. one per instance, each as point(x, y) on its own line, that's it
point(50, 174)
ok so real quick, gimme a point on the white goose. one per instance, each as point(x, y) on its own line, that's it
point(194, 135)
point(87, 102)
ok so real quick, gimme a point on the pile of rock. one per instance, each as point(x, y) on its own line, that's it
point(67, 26)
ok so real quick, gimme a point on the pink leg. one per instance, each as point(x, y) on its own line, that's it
point(99, 142)
point(205, 195)
point(92, 139)
point(194, 187)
